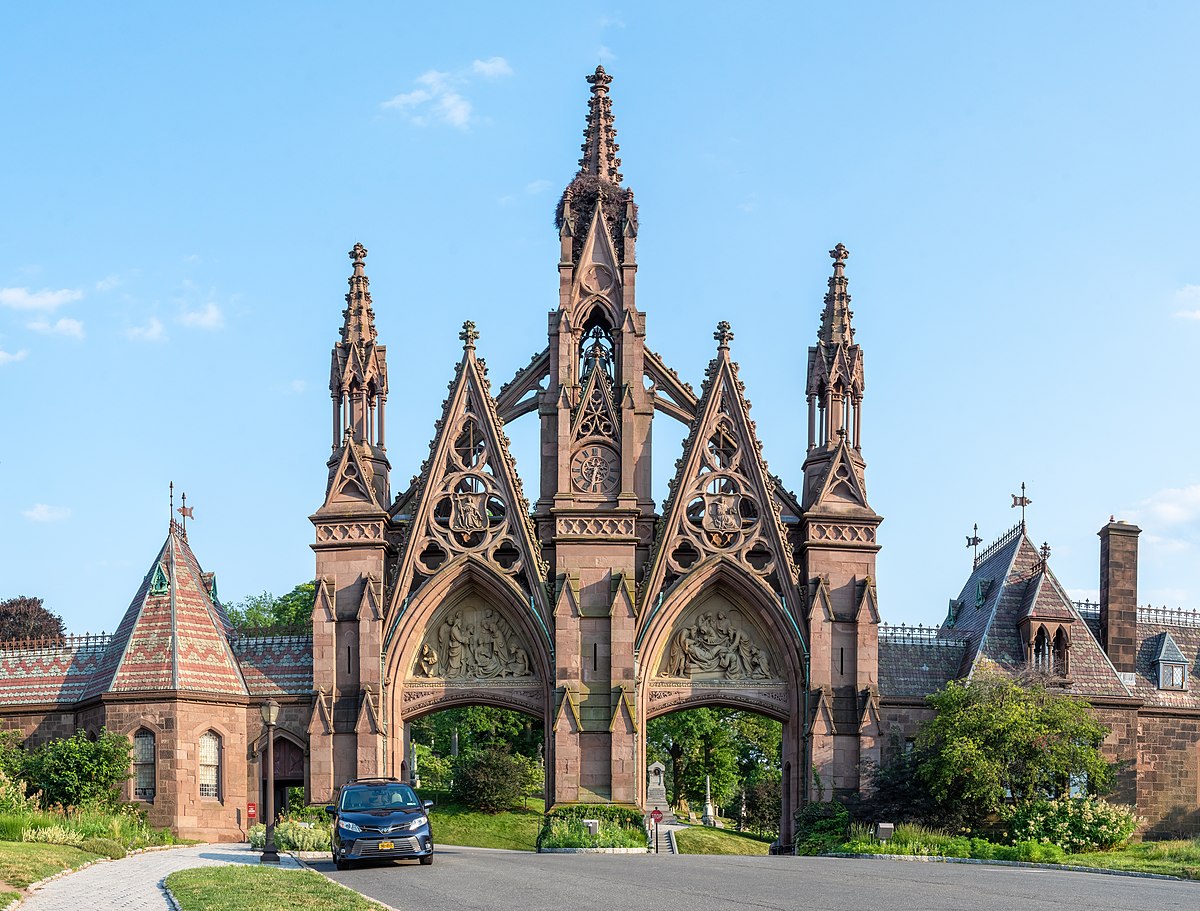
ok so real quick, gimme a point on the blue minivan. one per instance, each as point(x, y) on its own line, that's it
point(380, 819)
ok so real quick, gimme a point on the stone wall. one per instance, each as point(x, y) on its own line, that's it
point(1168, 775)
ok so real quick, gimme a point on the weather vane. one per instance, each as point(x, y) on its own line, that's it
point(973, 540)
point(187, 513)
point(1021, 501)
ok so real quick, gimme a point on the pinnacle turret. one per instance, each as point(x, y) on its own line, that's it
point(359, 318)
point(600, 137)
point(835, 319)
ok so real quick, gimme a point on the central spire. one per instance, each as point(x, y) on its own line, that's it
point(835, 319)
point(600, 137)
point(359, 325)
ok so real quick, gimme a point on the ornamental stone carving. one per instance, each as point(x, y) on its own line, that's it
point(718, 645)
point(472, 644)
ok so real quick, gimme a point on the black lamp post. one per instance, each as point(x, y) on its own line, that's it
point(270, 714)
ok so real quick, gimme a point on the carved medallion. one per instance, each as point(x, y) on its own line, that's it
point(597, 279)
point(721, 512)
point(468, 510)
point(595, 470)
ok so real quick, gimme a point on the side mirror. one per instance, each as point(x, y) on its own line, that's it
point(428, 804)
point(332, 811)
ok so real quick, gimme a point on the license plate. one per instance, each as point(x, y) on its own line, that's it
point(386, 846)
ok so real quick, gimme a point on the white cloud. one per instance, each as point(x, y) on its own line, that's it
point(537, 186)
point(604, 52)
point(1188, 297)
point(1170, 507)
point(24, 299)
point(297, 386)
point(108, 283)
point(153, 331)
point(492, 68)
point(7, 358)
point(62, 326)
point(40, 512)
point(210, 317)
point(439, 96)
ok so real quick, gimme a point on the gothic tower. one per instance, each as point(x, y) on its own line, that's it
point(838, 548)
point(595, 513)
point(346, 736)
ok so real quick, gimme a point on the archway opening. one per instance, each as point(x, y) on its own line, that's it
point(721, 766)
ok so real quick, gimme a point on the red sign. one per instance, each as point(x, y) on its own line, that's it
point(656, 815)
point(252, 811)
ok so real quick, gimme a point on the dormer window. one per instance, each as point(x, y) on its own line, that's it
point(1172, 677)
point(1172, 665)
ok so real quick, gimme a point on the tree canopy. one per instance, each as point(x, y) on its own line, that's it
point(23, 617)
point(266, 611)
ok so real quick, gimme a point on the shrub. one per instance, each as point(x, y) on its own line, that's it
point(78, 771)
point(1075, 824)
point(490, 779)
point(293, 835)
point(54, 835)
point(763, 806)
point(105, 847)
point(821, 825)
point(572, 833)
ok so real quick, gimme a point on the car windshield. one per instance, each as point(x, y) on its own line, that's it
point(380, 797)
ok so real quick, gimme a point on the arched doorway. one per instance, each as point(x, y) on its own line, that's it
point(290, 771)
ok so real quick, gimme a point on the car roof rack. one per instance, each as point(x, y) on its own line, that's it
point(376, 780)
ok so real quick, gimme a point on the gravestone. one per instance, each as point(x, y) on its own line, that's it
point(656, 792)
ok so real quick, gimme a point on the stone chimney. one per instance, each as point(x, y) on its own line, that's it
point(1118, 593)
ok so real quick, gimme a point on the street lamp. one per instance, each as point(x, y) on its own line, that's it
point(270, 714)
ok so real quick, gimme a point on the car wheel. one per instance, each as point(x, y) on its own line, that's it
point(342, 864)
point(426, 860)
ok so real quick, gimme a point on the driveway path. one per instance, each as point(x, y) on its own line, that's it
point(135, 883)
point(465, 879)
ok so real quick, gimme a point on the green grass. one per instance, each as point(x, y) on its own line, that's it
point(240, 887)
point(1173, 858)
point(703, 840)
point(454, 824)
point(23, 863)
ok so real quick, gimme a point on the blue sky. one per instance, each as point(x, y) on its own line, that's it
point(179, 186)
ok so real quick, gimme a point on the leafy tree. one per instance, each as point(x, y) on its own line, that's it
point(731, 747)
point(78, 771)
point(479, 726)
point(993, 738)
point(23, 617)
point(490, 779)
point(266, 611)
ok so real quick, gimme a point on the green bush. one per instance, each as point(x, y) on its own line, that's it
point(491, 779)
point(821, 826)
point(1075, 824)
point(54, 835)
point(630, 817)
point(572, 833)
point(78, 771)
point(105, 847)
point(293, 835)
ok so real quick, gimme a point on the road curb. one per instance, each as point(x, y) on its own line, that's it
point(1070, 868)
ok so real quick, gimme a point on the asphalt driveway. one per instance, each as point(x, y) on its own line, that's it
point(466, 879)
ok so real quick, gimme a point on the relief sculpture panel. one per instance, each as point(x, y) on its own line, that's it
point(472, 643)
point(719, 644)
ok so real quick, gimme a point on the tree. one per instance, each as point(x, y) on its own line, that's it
point(266, 611)
point(479, 726)
point(994, 739)
point(77, 771)
point(491, 779)
point(696, 743)
point(23, 617)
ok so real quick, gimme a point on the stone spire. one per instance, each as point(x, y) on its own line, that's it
point(359, 325)
point(835, 318)
point(600, 137)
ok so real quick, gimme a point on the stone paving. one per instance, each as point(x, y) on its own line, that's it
point(135, 883)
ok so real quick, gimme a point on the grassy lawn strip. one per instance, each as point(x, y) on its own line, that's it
point(703, 840)
point(1173, 858)
point(22, 863)
point(454, 824)
point(240, 887)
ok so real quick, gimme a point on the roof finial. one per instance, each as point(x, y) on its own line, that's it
point(600, 147)
point(1021, 501)
point(171, 494)
point(835, 319)
point(973, 540)
point(723, 335)
point(359, 322)
point(468, 336)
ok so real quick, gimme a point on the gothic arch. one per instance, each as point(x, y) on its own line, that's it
point(471, 589)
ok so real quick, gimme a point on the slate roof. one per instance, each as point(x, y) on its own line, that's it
point(912, 667)
point(276, 665)
point(1152, 637)
point(32, 673)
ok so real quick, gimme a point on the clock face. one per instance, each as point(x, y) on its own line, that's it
point(594, 470)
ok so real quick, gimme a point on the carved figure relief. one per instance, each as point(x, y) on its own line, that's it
point(472, 644)
point(718, 645)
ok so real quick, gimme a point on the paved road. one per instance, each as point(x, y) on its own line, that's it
point(466, 879)
point(135, 883)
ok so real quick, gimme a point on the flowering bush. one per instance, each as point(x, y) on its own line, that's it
point(293, 835)
point(1075, 824)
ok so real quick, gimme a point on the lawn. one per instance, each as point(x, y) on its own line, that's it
point(1173, 858)
point(24, 863)
point(240, 887)
point(703, 840)
point(455, 824)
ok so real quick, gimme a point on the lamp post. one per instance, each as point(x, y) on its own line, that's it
point(270, 714)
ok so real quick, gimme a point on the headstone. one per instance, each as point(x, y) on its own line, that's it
point(656, 791)
point(709, 818)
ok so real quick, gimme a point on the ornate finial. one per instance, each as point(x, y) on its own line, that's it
point(839, 254)
point(599, 80)
point(358, 254)
point(600, 147)
point(973, 540)
point(468, 336)
point(723, 335)
point(359, 318)
point(1045, 551)
point(171, 495)
point(1021, 501)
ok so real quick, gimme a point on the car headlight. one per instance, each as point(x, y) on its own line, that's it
point(349, 826)
point(418, 822)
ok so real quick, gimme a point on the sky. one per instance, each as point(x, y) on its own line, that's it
point(179, 186)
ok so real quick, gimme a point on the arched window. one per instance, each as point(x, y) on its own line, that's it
point(1041, 651)
point(1061, 652)
point(143, 765)
point(210, 765)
